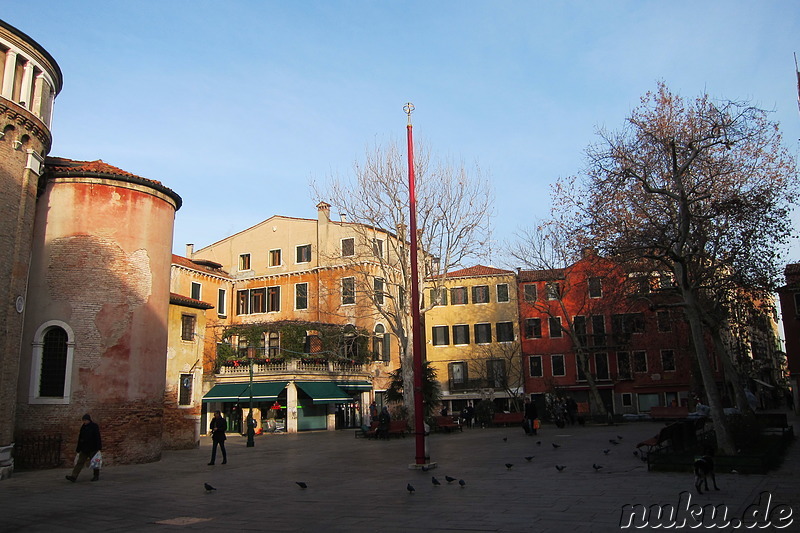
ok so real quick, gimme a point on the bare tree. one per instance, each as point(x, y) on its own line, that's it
point(499, 366)
point(700, 187)
point(454, 205)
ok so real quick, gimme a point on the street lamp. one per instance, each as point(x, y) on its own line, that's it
point(251, 354)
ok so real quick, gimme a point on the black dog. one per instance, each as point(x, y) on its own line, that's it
point(703, 469)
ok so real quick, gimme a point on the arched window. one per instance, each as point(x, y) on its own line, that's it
point(53, 348)
point(381, 344)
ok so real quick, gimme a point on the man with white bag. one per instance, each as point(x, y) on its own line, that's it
point(89, 445)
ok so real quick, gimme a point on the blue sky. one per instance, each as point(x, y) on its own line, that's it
point(236, 105)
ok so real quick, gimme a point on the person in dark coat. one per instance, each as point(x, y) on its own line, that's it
point(89, 444)
point(218, 428)
point(531, 414)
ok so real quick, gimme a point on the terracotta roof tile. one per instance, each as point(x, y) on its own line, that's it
point(478, 271)
point(200, 265)
point(177, 299)
point(540, 275)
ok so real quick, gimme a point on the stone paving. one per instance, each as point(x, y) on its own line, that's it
point(359, 485)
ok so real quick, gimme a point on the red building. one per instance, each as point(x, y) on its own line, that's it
point(637, 350)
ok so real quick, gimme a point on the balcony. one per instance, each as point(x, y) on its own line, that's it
point(477, 384)
point(275, 368)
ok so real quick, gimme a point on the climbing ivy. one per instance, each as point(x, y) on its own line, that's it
point(335, 340)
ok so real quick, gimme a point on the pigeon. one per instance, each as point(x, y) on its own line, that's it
point(606, 451)
point(410, 488)
point(596, 467)
point(509, 465)
point(619, 437)
point(435, 481)
point(556, 446)
point(208, 487)
point(612, 441)
point(301, 484)
point(449, 479)
point(528, 458)
point(505, 439)
point(560, 468)
point(636, 453)
point(538, 443)
point(425, 468)
point(462, 483)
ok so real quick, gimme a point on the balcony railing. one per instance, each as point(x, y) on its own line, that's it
point(478, 383)
point(292, 365)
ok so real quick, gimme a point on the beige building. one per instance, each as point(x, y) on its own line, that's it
point(472, 337)
point(297, 283)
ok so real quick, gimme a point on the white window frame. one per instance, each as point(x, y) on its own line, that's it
point(296, 285)
point(249, 263)
point(222, 302)
point(507, 296)
point(541, 367)
point(36, 365)
point(297, 250)
point(353, 280)
point(341, 246)
point(199, 290)
point(563, 365)
point(280, 258)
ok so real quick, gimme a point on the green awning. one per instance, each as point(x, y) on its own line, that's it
point(225, 392)
point(323, 391)
point(354, 386)
point(263, 391)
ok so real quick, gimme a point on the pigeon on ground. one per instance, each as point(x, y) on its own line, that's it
point(556, 446)
point(462, 483)
point(528, 458)
point(612, 441)
point(449, 479)
point(619, 437)
point(606, 451)
point(208, 487)
point(301, 484)
point(509, 465)
point(410, 488)
point(505, 439)
point(596, 467)
point(636, 453)
point(435, 481)
point(538, 443)
point(425, 468)
point(560, 468)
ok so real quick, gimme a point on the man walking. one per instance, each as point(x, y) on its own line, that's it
point(218, 428)
point(88, 445)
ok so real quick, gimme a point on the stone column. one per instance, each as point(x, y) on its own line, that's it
point(8, 74)
point(27, 84)
point(291, 408)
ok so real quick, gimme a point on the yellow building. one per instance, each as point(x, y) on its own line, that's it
point(472, 337)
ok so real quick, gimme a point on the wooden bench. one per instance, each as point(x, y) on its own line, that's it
point(446, 423)
point(775, 422)
point(398, 428)
point(505, 419)
point(368, 432)
point(675, 412)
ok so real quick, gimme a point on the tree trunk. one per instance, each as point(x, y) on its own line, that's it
point(724, 439)
point(596, 405)
point(732, 375)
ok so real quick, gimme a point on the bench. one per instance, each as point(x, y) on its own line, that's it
point(774, 422)
point(367, 432)
point(446, 423)
point(505, 419)
point(398, 428)
point(675, 412)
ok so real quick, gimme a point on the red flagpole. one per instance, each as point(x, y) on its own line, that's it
point(416, 333)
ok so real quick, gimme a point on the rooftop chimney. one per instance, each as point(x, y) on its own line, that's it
point(189, 250)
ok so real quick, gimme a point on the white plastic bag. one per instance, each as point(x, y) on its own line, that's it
point(97, 461)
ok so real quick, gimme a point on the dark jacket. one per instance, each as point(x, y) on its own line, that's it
point(531, 412)
point(218, 428)
point(89, 439)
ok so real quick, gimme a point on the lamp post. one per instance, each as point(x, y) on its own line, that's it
point(251, 354)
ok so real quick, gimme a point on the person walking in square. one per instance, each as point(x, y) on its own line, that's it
point(89, 444)
point(218, 428)
point(531, 414)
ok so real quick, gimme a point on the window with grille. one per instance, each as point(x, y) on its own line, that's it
point(188, 323)
point(185, 389)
